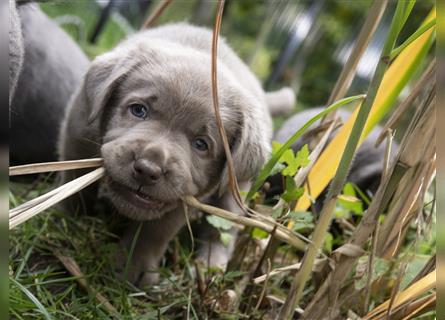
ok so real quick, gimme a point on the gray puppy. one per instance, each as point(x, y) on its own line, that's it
point(146, 108)
point(46, 66)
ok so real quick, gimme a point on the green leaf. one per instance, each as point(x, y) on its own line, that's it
point(351, 203)
point(380, 267)
point(290, 184)
point(301, 216)
point(277, 213)
point(349, 189)
point(257, 233)
point(301, 220)
point(292, 165)
point(348, 201)
point(328, 241)
point(219, 223)
point(302, 157)
point(417, 262)
point(233, 274)
point(225, 238)
point(292, 192)
point(301, 226)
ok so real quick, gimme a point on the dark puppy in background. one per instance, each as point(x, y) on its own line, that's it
point(366, 168)
point(46, 66)
point(146, 108)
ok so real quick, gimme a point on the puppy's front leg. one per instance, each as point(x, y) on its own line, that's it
point(150, 246)
point(212, 252)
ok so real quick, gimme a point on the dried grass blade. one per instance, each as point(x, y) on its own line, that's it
point(157, 12)
point(222, 132)
point(73, 268)
point(55, 166)
point(428, 302)
point(34, 202)
point(281, 232)
point(276, 271)
point(412, 292)
point(63, 192)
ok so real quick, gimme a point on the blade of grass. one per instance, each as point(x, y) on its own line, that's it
point(422, 29)
point(33, 298)
point(274, 159)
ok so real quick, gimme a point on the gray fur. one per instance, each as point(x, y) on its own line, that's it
point(16, 50)
point(52, 69)
point(168, 70)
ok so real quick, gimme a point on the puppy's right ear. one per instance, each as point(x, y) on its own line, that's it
point(102, 78)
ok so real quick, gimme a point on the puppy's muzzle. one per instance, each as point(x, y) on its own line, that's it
point(149, 168)
point(147, 172)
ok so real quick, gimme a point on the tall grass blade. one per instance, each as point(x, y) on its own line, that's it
point(33, 298)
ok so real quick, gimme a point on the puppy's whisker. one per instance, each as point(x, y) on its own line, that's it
point(91, 141)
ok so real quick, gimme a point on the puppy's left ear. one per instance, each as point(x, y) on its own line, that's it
point(104, 75)
point(250, 146)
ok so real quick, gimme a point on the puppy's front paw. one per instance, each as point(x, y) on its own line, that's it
point(141, 273)
point(148, 279)
point(214, 255)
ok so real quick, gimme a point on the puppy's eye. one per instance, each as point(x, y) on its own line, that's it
point(200, 144)
point(139, 110)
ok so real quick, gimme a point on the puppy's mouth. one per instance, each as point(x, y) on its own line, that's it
point(138, 198)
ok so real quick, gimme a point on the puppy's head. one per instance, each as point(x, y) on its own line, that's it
point(158, 131)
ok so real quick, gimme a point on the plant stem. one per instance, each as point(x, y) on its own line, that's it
point(327, 212)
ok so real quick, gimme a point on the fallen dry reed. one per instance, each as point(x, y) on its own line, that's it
point(35, 206)
point(54, 166)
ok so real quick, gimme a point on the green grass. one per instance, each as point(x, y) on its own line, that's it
point(39, 283)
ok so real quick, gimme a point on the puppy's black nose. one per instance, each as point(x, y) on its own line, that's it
point(146, 172)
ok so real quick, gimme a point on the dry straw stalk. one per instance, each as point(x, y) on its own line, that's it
point(55, 166)
point(26, 211)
